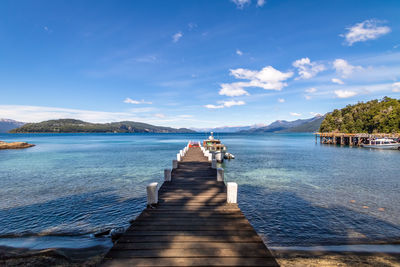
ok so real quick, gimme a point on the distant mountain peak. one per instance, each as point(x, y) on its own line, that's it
point(8, 124)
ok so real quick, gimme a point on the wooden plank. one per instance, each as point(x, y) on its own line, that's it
point(189, 215)
point(199, 208)
point(192, 202)
point(200, 214)
point(211, 251)
point(233, 261)
point(237, 232)
point(191, 227)
point(189, 245)
point(188, 238)
point(191, 221)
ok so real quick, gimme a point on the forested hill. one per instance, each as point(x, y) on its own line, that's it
point(371, 117)
point(77, 126)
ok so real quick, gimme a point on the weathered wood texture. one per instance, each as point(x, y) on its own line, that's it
point(191, 226)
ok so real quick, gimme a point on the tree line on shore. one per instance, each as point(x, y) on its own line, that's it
point(375, 116)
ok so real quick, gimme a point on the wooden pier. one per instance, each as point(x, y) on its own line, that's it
point(192, 223)
point(351, 139)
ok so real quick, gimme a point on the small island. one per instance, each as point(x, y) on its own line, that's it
point(14, 145)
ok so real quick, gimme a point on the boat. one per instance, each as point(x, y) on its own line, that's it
point(215, 147)
point(229, 156)
point(382, 143)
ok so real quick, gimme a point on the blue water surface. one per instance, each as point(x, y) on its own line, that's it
point(293, 191)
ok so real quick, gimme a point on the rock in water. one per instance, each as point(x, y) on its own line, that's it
point(14, 145)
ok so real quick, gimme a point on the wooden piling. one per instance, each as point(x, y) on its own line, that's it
point(352, 139)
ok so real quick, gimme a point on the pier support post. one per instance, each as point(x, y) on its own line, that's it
point(167, 175)
point(152, 194)
point(231, 192)
point(174, 164)
point(220, 174)
point(178, 157)
point(214, 164)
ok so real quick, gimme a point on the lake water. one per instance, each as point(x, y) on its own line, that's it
point(293, 191)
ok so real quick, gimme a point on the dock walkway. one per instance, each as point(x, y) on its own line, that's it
point(192, 225)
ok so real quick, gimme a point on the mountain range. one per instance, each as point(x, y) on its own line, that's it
point(281, 126)
point(7, 125)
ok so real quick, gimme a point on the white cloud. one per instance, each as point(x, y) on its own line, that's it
point(307, 97)
point(281, 100)
point(210, 106)
point(268, 78)
point(146, 59)
point(295, 114)
point(225, 104)
point(141, 110)
point(311, 90)
point(345, 93)
point(315, 114)
point(343, 68)
point(260, 3)
point(231, 103)
point(232, 89)
point(47, 29)
point(396, 87)
point(366, 30)
point(307, 69)
point(238, 52)
point(185, 116)
point(177, 36)
point(159, 115)
point(336, 80)
point(192, 25)
point(136, 102)
point(241, 3)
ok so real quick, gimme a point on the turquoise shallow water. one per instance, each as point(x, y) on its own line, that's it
point(294, 192)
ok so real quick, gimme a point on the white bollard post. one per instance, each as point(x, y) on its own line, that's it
point(167, 175)
point(209, 157)
point(152, 194)
point(178, 157)
point(220, 174)
point(181, 153)
point(231, 192)
point(214, 163)
point(174, 164)
point(213, 154)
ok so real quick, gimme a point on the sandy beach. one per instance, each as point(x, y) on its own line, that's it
point(93, 256)
point(300, 258)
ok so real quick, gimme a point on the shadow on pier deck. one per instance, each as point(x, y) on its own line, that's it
point(192, 225)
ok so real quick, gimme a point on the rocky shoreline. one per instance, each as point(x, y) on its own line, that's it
point(14, 145)
point(87, 257)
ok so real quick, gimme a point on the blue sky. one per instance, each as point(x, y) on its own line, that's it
point(195, 63)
